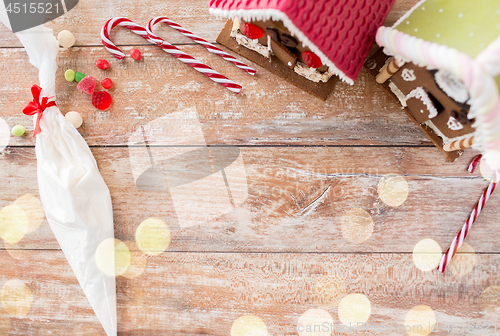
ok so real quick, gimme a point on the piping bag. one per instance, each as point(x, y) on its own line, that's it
point(75, 198)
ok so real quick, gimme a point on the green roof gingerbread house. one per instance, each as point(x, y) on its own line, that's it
point(442, 61)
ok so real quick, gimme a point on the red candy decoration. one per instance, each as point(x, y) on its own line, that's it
point(311, 59)
point(87, 85)
point(252, 31)
point(107, 83)
point(135, 54)
point(101, 100)
point(102, 64)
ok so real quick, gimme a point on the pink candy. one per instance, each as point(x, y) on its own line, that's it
point(87, 85)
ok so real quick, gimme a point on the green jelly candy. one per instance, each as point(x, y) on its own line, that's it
point(18, 130)
point(79, 76)
point(69, 75)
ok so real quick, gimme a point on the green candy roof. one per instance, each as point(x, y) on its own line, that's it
point(466, 25)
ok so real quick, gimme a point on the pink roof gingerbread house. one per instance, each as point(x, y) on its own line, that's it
point(306, 42)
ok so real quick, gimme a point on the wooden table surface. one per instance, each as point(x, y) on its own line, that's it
point(330, 199)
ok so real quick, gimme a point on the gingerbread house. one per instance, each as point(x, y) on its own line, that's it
point(306, 42)
point(441, 60)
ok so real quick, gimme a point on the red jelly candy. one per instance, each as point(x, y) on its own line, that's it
point(87, 85)
point(135, 54)
point(311, 59)
point(107, 83)
point(252, 31)
point(101, 100)
point(102, 64)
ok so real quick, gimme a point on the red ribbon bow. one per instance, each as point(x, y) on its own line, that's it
point(35, 106)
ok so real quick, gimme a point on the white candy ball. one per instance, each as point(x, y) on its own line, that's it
point(74, 118)
point(66, 39)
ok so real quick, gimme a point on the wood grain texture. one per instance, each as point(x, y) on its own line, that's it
point(86, 20)
point(269, 111)
point(283, 249)
point(297, 198)
point(204, 293)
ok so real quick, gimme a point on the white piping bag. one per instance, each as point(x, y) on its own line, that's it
point(75, 198)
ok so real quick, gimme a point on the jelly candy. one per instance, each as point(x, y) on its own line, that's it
point(101, 100)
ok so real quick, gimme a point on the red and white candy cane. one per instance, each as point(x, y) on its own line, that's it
point(141, 31)
point(190, 60)
point(459, 239)
point(120, 21)
point(210, 47)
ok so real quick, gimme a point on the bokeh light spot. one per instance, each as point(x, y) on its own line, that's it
point(153, 236)
point(16, 298)
point(33, 209)
point(357, 225)
point(249, 325)
point(354, 309)
point(420, 321)
point(315, 322)
point(112, 257)
point(138, 261)
point(393, 190)
point(15, 252)
point(427, 255)
point(463, 261)
point(13, 223)
point(490, 300)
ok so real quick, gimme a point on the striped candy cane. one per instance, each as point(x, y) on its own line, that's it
point(141, 31)
point(459, 239)
point(120, 21)
point(213, 49)
point(190, 60)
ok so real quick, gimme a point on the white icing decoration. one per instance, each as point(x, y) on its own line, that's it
point(277, 15)
point(452, 86)
point(311, 73)
point(400, 95)
point(419, 93)
point(249, 43)
point(454, 124)
point(408, 75)
point(300, 68)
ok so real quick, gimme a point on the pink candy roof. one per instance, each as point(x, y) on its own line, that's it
point(340, 32)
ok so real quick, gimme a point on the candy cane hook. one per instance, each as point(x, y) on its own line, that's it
point(210, 47)
point(459, 238)
point(120, 21)
point(190, 60)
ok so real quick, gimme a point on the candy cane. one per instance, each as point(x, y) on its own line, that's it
point(120, 21)
point(190, 60)
point(213, 49)
point(459, 239)
point(141, 31)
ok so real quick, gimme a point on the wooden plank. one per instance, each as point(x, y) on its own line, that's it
point(321, 90)
point(86, 21)
point(204, 293)
point(297, 200)
point(378, 60)
point(269, 111)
